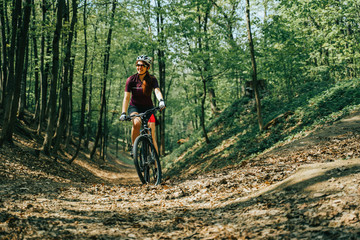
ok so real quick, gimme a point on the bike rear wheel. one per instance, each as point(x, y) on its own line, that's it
point(146, 161)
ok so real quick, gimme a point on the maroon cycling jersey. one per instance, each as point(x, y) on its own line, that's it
point(138, 98)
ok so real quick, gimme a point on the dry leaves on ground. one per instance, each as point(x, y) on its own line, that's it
point(276, 195)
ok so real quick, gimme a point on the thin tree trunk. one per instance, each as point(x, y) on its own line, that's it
point(103, 92)
point(55, 69)
point(203, 78)
point(1, 74)
point(22, 100)
point(117, 131)
point(202, 116)
point(253, 63)
point(84, 83)
point(105, 133)
point(43, 71)
point(4, 75)
point(162, 75)
point(207, 65)
point(71, 81)
point(64, 110)
point(11, 110)
point(89, 112)
point(36, 64)
point(11, 56)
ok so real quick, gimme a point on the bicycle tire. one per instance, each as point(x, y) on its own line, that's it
point(146, 161)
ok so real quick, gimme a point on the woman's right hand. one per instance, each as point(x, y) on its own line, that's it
point(162, 104)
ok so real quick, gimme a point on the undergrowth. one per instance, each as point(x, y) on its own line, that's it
point(235, 134)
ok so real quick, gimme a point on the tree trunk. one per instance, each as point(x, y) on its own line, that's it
point(4, 75)
point(212, 98)
point(89, 131)
point(44, 70)
point(202, 116)
point(88, 114)
point(105, 133)
point(1, 66)
point(9, 89)
point(36, 64)
point(22, 99)
point(207, 64)
point(89, 111)
point(69, 132)
point(162, 68)
point(253, 63)
point(103, 91)
point(64, 109)
point(203, 71)
point(55, 69)
point(20, 40)
point(68, 129)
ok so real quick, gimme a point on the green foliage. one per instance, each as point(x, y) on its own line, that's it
point(331, 104)
point(236, 134)
point(302, 47)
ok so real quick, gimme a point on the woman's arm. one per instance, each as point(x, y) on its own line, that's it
point(158, 94)
point(126, 101)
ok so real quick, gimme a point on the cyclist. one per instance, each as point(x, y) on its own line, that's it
point(139, 87)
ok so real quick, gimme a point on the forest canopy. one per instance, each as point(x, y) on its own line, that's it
point(67, 61)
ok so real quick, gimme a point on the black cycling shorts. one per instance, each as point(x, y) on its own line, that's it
point(133, 109)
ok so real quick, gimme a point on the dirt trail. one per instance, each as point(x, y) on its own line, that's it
point(306, 189)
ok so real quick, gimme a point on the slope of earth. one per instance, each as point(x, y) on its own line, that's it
point(234, 135)
point(305, 189)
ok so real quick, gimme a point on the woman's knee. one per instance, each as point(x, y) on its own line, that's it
point(137, 123)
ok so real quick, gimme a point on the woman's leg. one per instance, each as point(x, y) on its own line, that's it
point(135, 130)
point(153, 134)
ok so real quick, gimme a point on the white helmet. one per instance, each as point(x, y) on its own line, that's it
point(145, 59)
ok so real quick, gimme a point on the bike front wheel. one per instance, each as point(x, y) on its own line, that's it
point(146, 161)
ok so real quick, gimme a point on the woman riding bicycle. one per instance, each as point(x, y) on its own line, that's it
point(139, 87)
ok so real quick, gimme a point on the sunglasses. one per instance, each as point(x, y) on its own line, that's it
point(141, 65)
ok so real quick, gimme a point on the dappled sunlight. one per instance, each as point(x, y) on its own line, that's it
point(105, 174)
point(274, 194)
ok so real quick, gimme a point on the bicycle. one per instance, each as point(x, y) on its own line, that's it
point(146, 159)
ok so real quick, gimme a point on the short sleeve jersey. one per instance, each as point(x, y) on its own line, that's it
point(138, 98)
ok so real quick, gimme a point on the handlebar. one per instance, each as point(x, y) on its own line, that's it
point(141, 115)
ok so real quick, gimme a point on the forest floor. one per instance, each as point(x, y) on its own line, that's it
point(305, 189)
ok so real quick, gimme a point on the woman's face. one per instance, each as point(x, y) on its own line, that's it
point(141, 67)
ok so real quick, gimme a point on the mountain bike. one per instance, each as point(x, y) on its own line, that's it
point(146, 159)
